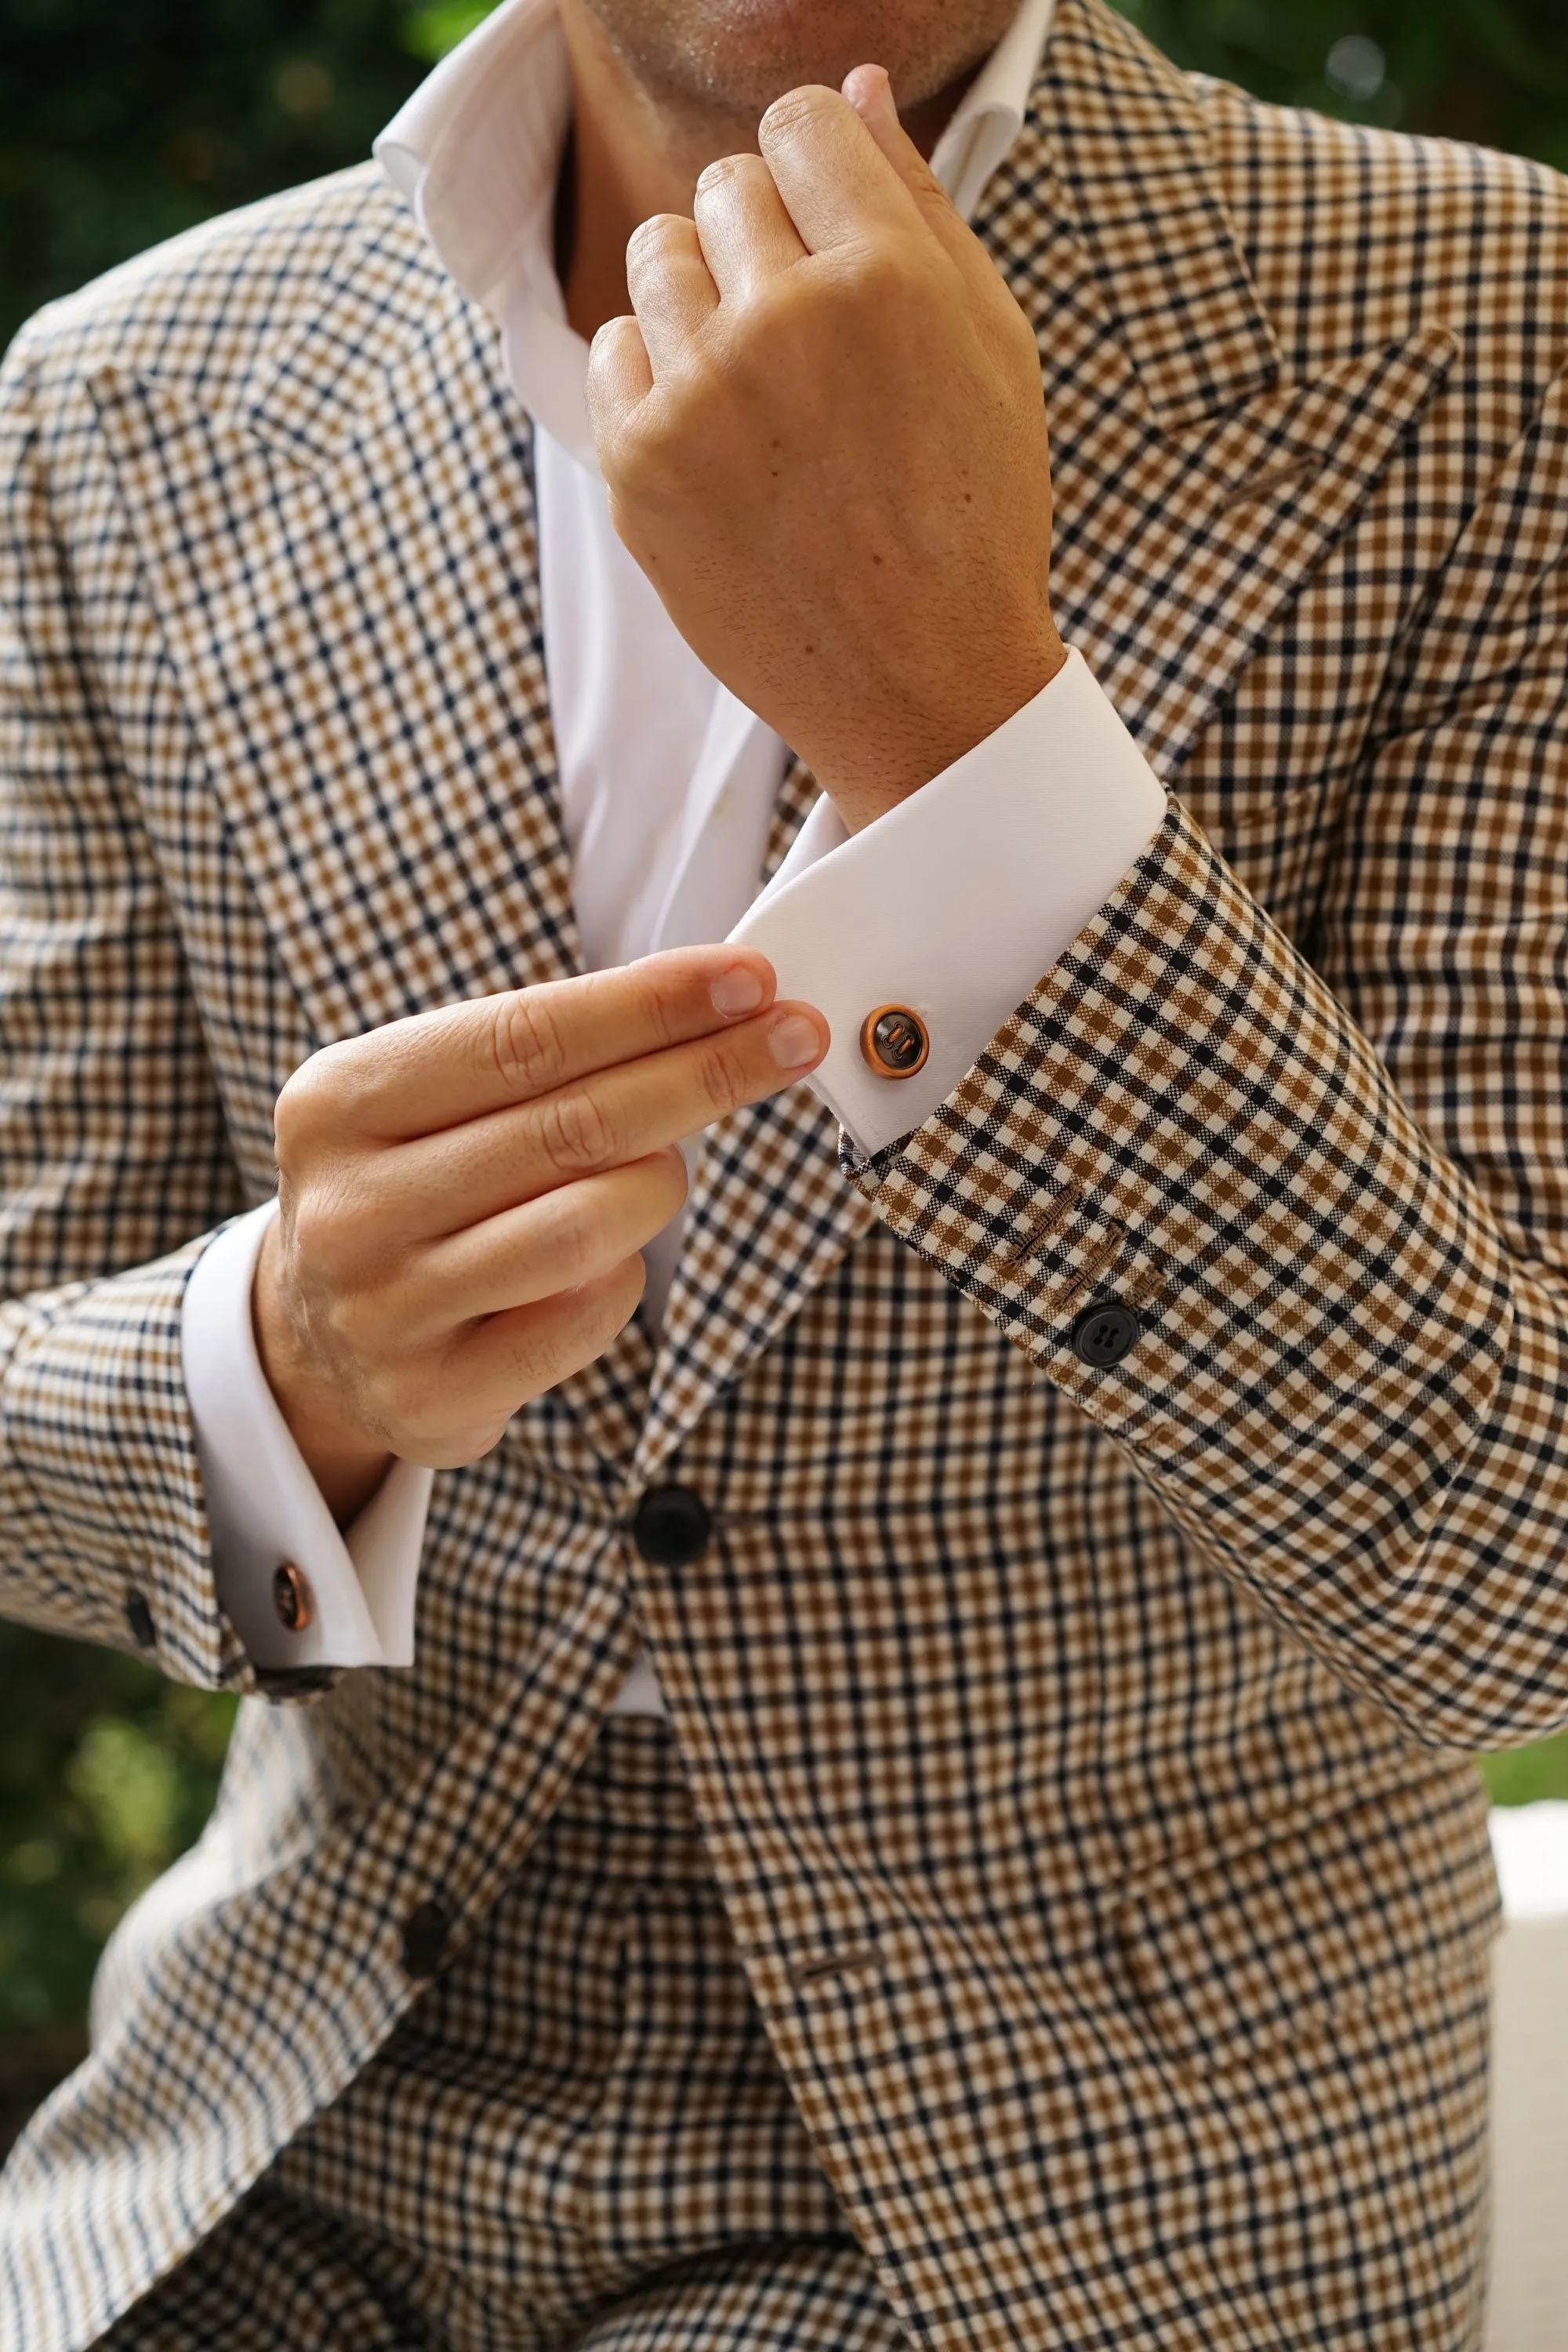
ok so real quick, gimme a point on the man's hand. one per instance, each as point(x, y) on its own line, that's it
point(464, 1195)
point(824, 442)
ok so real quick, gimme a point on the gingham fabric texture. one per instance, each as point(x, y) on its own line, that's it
point(606, 2153)
point(1081, 1754)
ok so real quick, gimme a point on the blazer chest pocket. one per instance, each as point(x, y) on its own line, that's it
point(1316, 1930)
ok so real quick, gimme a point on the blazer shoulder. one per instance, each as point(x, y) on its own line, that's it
point(206, 311)
point(1358, 236)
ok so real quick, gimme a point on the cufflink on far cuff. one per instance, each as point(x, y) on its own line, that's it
point(291, 1597)
point(894, 1041)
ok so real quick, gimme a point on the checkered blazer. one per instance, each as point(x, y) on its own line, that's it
point(1081, 1751)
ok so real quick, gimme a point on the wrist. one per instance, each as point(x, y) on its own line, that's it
point(347, 1463)
point(863, 788)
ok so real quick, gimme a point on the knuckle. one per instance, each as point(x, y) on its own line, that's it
point(604, 353)
point(872, 272)
point(677, 1176)
point(314, 1229)
point(359, 1327)
point(721, 1074)
point(656, 1007)
point(655, 237)
point(603, 1307)
point(304, 1108)
point(795, 109)
point(575, 1241)
point(406, 1396)
point(728, 176)
point(329, 1228)
point(577, 1132)
point(528, 1365)
point(1020, 331)
point(526, 1044)
point(538, 1352)
point(639, 460)
point(621, 1291)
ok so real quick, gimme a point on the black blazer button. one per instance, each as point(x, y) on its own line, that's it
point(670, 1527)
point(425, 1935)
point(139, 1617)
point(1103, 1335)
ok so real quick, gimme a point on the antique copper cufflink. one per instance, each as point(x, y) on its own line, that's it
point(894, 1041)
point(291, 1597)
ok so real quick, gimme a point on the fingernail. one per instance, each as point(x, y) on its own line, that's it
point(880, 97)
point(736, 990)
point(792, 1041)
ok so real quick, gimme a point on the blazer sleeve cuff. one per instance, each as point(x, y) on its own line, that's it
point(1182, 1122)
point(105, 1523)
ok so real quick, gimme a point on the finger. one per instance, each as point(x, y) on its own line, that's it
point(519, 1355)
point(512, 1358)
point(557, 1242)
point(620, 376)
point(671, 289)
point(746, 234)
point(870, 93)
point(436, 1070)
point(446, 1182)
point(837, 186)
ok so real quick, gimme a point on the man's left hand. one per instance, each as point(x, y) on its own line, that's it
point(824, 442)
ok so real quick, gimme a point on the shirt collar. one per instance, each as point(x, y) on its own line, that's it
point(986, 123)
point(476, 150)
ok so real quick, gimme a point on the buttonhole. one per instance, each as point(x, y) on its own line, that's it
point(1269, 478)
point(837, 1964)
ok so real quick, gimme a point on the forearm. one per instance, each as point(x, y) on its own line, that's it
point(1340, 1385)
point(103, 1532)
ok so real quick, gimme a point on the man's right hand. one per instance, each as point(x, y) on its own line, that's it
point(464, 1195)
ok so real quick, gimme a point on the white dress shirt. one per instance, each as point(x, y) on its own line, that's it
point(954, 903)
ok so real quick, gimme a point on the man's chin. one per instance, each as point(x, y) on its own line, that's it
point(743, 54)
point(752, 51)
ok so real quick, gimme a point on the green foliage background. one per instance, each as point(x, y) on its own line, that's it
point(124, 121)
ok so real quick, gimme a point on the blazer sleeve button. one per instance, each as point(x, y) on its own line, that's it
point(1103, 1335)
point(139, 1617)
point(425, 1933)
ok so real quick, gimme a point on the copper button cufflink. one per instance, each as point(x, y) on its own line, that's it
point(894, 1041)
point(291, 1597)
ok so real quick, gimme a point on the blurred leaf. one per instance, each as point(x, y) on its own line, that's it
point(107, 1773)
point(1525, 1776)
point(429, 33)
point(130, 1789)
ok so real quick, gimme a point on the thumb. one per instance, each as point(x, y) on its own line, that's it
point(870, 93)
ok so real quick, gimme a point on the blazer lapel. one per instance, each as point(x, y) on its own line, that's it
point(1197, 489)
point(769, 1217)
point(346, 575)
point(356, 636)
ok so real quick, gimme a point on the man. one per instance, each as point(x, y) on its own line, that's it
point(1078, 1538)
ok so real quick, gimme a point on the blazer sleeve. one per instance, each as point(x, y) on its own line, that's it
point(1332, 1193)
point(112, 1143)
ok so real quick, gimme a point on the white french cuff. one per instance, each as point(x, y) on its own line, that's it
point(265, 1509)
point(956, 902)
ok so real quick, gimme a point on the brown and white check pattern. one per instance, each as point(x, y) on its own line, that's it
point(1079, 1753)
point(606, 2156)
